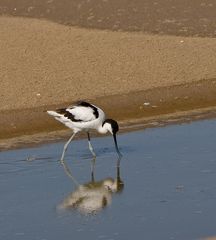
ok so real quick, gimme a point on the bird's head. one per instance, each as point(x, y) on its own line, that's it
point(112, 126)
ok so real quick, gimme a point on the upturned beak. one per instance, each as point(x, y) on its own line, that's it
point(116, 145)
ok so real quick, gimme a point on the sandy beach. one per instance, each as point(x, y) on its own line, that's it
point(46, 65)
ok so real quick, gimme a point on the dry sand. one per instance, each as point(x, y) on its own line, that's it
point(44, 64)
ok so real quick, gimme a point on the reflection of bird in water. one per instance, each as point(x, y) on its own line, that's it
point(93, 196)
point(85, 116)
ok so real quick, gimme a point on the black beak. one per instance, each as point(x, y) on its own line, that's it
point(116, 146)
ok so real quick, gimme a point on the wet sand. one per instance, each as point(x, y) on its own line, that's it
point(176, 17)
point(46, 65)
point(142, 109)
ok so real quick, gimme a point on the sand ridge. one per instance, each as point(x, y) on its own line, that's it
point(46, 63)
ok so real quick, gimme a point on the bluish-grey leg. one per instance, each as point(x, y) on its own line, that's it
point(66, 146)
point(90, 146)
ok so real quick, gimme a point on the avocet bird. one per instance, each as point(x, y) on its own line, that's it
point(84, 116)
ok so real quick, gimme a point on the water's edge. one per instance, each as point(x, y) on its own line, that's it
point(125, 126)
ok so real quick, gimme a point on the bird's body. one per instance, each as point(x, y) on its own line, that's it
point(84, 116)
point(79, 117)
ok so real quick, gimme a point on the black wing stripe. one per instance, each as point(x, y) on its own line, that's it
point(68, 115)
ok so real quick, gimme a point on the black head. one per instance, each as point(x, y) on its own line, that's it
point(114, 125)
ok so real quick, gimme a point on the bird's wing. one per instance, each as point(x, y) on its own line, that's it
point(81, 112)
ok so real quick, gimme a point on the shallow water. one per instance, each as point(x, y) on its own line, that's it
point(166, 187)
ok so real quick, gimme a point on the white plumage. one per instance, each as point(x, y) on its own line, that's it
point(79, 117)
point(84, 116)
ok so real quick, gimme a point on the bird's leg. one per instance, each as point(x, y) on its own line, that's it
point(90, 146)
point(65, 147)
point(68, 172)
point(93, 169)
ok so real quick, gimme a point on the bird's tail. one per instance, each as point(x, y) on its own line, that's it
point(54, 114)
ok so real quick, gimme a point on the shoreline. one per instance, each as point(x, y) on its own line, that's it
point(137, 110)
point(38, 138)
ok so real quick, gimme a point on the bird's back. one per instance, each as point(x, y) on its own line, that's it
point(82, 115)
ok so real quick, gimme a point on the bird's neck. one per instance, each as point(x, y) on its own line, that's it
point(102, 129)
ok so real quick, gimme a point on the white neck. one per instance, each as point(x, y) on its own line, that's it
point(103, 129)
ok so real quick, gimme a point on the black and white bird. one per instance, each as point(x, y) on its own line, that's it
point(84, 116)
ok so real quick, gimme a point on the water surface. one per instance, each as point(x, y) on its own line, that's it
point(167, 187)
